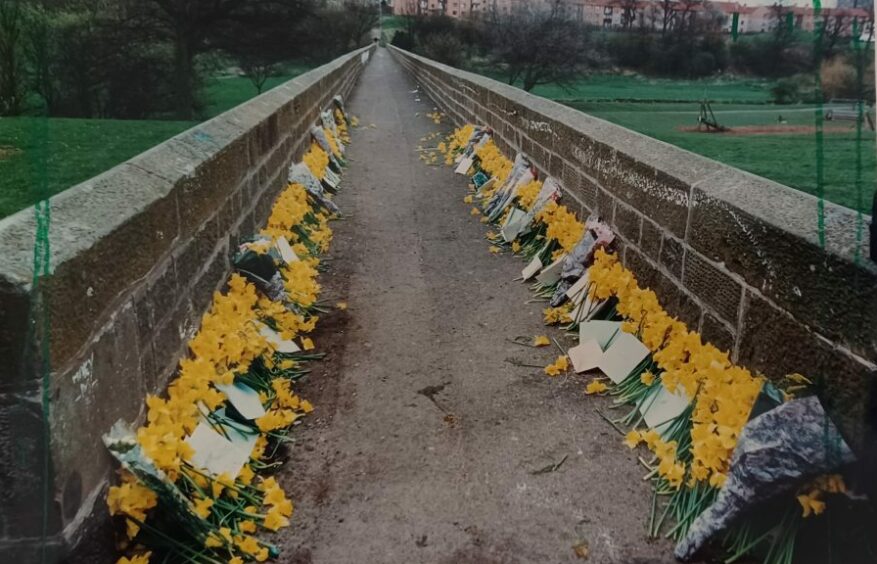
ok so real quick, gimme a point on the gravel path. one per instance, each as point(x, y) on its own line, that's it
point(426, 441)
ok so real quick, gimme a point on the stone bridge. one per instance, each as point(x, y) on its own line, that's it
point(137, 252)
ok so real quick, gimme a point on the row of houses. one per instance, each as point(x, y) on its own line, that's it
point(753, 16)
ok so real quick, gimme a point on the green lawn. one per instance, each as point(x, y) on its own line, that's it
point(660, 108)
point(225, 92)
point(786, 158)
point(617, 87)
point(57, 153)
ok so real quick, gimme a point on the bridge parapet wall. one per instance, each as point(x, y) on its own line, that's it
point(136, 254)
point(734, 255)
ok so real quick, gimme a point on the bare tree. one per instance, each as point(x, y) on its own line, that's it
point(194, 26)
point(11, 54)
point(668, 15)
point(628, 13)
point(538, 45)
point(685, 18)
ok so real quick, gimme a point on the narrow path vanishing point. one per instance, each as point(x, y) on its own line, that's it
point(425, 439)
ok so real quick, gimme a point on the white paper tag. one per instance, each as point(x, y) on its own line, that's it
point(600, 331)
point(582, 310)
point(515, 222)
point(490, 182)
point(464, 165)
point(217, 454)
point(331, 179)
point(531, 269)
point(577, 291)
point(281, 345)
point(244, 399)
point(551, 273)
point(624, 354)
point(662, 407)
point(585, 356)
point(286, 252)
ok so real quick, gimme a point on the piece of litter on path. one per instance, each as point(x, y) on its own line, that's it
point(518, 362)
point(581, 550)
point(551, 467)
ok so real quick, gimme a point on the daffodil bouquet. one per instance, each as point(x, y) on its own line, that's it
point(711, 399)
point(193, 479)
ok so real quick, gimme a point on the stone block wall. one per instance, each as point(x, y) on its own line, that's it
point(736, 256)
point(136, 254)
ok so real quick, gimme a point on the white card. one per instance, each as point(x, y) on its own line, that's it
point(244, 398)
point(464, 165)
point(515, 222)
point(585, 356)
point(624, 354)
point(583, 311)
point(286, 252)
point(331, 178)
point(577, 291)
point(487, 185)
point(531, 269)
point(551, 273)
point(281, 345)
point(661, 408)
point(600, 331)
point(217, 454)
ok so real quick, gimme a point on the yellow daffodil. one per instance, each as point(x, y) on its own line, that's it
point(811, 504)
point(632, 439)
point(541, 341)
point(559, 366)
point(142, 558)
point(595, 387)
point(202, 507)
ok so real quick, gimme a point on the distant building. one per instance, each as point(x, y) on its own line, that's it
point(753, 16)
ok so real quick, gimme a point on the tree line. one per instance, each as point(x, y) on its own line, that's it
point(546, 42)
point(150, 58)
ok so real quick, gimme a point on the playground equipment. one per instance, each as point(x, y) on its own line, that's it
point(707, 119)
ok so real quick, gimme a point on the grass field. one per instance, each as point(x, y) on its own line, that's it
point(662, 108)
point(786, 158)
point(40, 156)
point(617, 87)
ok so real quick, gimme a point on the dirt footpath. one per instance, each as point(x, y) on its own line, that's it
point(428, 440)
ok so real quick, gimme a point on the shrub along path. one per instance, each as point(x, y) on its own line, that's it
point(426, 443)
